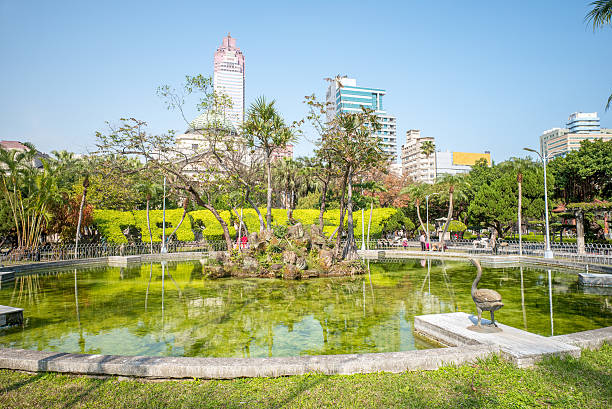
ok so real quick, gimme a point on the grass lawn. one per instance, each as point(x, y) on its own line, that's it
point(570, 383)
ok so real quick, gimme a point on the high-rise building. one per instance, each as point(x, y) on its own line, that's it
point(228, 78)
point(580, 126)
point(415, 164)
point(348, 97)
point(583, 122)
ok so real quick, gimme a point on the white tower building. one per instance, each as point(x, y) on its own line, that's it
point(228, 78)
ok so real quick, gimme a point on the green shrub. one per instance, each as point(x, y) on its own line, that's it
point(431, 228)
point(109, 222)
point(456, 226)
point(279, 230)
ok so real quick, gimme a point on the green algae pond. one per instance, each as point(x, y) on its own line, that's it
point(172, 310)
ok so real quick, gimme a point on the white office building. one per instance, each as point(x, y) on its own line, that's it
point(415, 164)
point(581, 126)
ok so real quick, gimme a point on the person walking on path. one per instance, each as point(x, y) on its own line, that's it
point(422, 240)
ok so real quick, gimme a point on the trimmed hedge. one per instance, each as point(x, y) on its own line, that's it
point(111, 223)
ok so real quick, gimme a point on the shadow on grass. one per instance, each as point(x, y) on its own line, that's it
point(77, 397)
point(20, 384)
point(306, 383)
point(591, 378)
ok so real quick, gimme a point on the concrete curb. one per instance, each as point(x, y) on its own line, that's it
point(592, 339)
point(228, 368)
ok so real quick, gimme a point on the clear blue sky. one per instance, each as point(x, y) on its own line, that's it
point(476, 75)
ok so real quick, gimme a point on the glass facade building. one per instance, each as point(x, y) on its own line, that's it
point(348, 97)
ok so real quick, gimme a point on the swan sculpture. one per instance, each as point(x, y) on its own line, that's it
point(484, 298)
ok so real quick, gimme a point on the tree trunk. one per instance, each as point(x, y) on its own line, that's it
point(370, 221)
point(149, 227)
point(323, 197)
point(182, 218)
point(288, 205)
point(196, 197)
point(291, 205)
point(78, 232)
point(580, 231)
point(417, 204)
point(342, 209)
point(226, 235)
point(350, 249)
point(241, 224)
point(520, 212)
point(262, 225)
point(269, 192)
point(448, 217)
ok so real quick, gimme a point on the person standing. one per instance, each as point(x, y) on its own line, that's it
point(422, 240)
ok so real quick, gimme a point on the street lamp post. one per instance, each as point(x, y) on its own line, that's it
point(427, 218)
point(548, 252)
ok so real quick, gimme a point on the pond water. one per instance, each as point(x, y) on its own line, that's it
point(141, 311)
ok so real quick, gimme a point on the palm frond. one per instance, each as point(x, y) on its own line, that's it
point(601, 13)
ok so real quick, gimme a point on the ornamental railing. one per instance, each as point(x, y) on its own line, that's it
point(59, 252)
point(594, 253)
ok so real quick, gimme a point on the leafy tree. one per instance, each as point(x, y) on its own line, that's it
point(322, 166)
point(160, 154)
point(354, 150)
point(585, 174)
point(496, 194)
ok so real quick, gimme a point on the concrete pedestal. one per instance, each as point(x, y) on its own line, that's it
point(6, 277)
point(520, 347)
point(595, 280)
point(10, 316)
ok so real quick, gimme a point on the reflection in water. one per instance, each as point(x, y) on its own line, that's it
point(552, 326)
point(523, 301)
point(148, 286)
point(163, 266)
point(78, 315)
point(255, 317)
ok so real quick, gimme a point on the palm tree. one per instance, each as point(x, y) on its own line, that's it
point(28, 192)
point(427, 148)
point(456, 186)
point(417, 193)
point(265, 129)
point(286, 174)
point(601, 15)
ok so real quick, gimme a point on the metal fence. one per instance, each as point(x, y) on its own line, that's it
point(53, 252)
point(594, 253)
